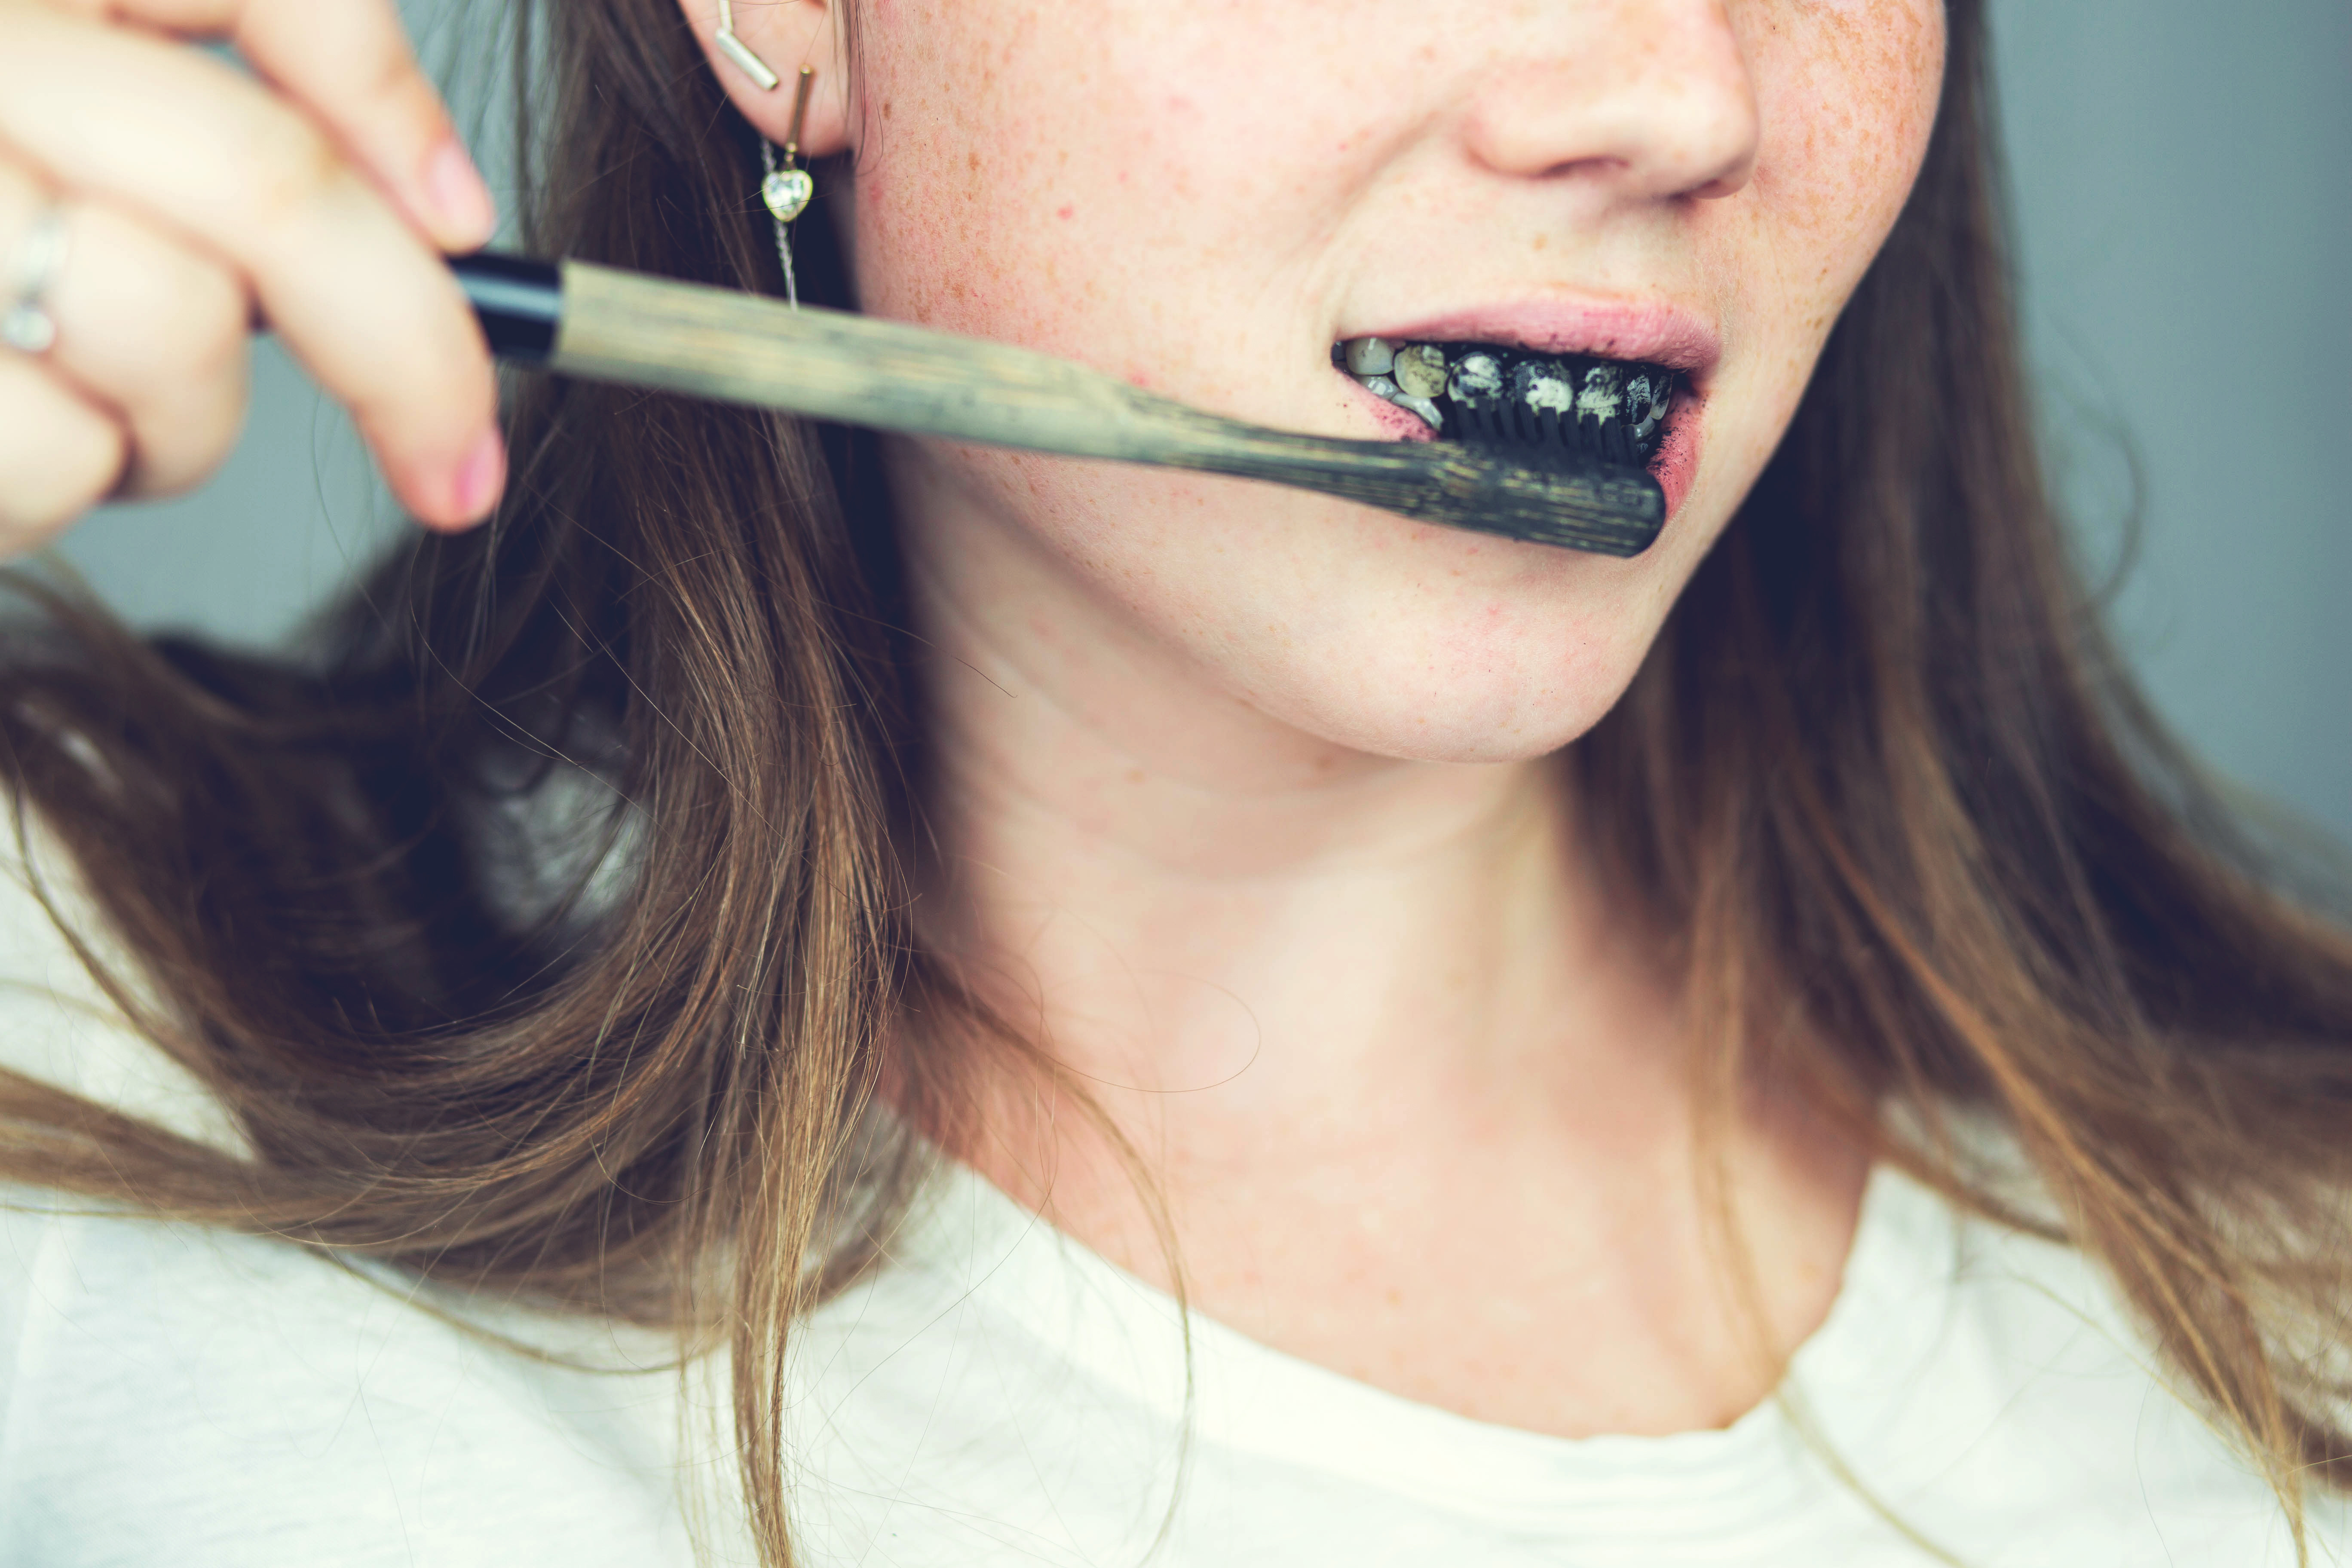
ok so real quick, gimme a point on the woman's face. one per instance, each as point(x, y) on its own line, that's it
point(1205, 197)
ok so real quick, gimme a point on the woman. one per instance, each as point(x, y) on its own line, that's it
point(1757, 1053)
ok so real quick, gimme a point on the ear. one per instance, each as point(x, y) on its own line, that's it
point(785, 35)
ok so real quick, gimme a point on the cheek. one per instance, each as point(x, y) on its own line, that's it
point(1030, 174)
point(1848, 90)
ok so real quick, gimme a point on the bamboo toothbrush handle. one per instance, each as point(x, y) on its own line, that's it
point(602, 324)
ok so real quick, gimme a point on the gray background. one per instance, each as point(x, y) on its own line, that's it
point(2183, 173)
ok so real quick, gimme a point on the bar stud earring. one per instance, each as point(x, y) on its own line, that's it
point(735, 50)
point(788, 188)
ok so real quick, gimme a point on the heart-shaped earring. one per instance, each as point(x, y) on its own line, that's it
point(788, 188)
point(788, 193)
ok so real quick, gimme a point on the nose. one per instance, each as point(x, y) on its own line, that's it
point(1653, 97)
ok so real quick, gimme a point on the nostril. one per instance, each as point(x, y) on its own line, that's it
point(1569, 169)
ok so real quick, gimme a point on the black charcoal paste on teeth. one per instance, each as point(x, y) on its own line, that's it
point(1574, 408)
point(1604, 410)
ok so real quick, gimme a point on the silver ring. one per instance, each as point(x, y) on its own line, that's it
point(25, 325)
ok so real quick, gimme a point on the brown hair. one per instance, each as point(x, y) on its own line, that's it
point(1915, 840)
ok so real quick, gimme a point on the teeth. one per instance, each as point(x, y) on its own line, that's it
point(1647, 399)
point(1542, 385)
point(1369, 356)
point(1478, 379)
point(1607, 411)
point(1421, 370)
point(1602, 397)
point(1422, 407)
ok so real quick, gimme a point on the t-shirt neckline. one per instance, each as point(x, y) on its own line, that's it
point(1123, 1334)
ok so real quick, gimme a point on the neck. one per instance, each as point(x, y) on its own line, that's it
point(1255, 944)
point(1407, 1100)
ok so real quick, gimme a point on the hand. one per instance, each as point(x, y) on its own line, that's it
point(195, 200)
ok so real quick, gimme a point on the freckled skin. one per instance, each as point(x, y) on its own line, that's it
point(1202, 197)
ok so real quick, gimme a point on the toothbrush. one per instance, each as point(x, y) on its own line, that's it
point(600, 323)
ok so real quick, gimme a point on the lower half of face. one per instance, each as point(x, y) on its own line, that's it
point(1629, 224)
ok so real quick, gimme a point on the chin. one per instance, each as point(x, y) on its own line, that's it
point(1349, 626)
point(1483, 674)
point(1442, 715)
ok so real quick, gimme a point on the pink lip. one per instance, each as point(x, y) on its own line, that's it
point(1657, 333)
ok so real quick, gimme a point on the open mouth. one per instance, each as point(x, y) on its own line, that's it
point(1542, 408)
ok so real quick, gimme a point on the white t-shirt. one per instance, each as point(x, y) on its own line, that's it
point(999, 1396)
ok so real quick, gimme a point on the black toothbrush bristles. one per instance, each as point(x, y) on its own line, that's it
point(1527, 420)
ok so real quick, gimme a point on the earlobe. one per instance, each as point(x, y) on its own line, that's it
point(757, 49)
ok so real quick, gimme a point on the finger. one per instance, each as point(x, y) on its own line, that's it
point(59, 455)
point(358, 299)
point(148, 329)
point(350, 63)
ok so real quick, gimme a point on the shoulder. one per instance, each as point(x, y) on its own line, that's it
point(1995, 1393)
point(174, 1394)
point(57, 1023)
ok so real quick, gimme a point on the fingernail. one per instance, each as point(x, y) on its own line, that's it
point(457, 192)
point(480, 478)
